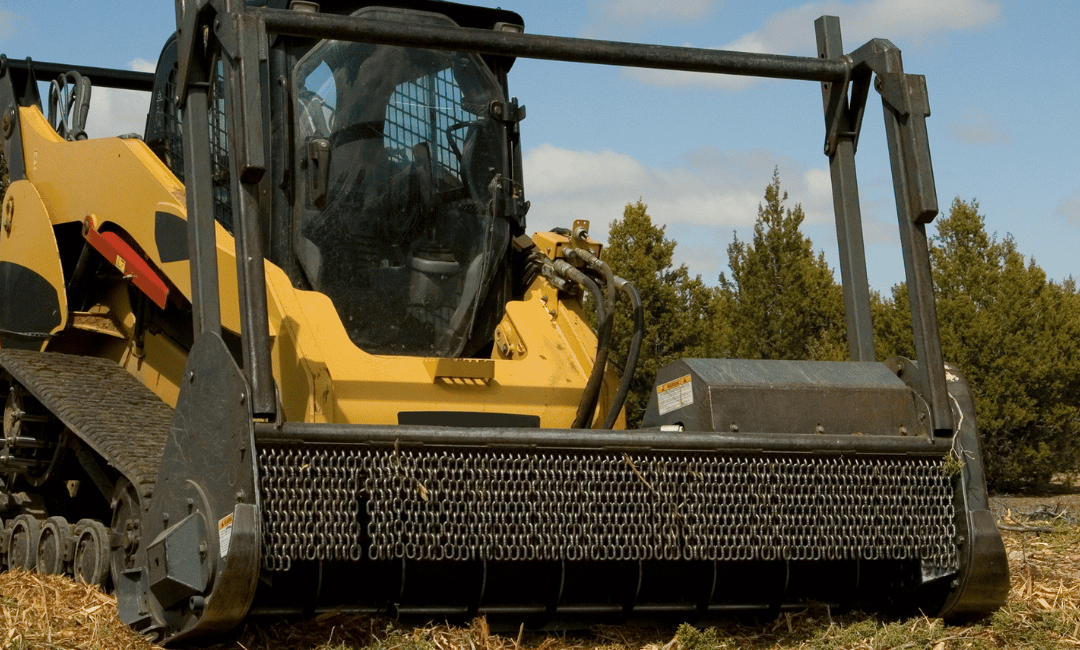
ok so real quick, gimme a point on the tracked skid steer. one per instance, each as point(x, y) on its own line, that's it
point(291, 351)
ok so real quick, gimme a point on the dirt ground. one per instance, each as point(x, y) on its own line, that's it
point(1061, 501)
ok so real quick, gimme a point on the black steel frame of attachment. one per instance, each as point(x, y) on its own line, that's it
point(238, 35)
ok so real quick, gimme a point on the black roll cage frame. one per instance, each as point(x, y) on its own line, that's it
point(238, 34)
point(241, 33)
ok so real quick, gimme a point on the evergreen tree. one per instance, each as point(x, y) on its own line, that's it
point(892, 323)
point(678, 309)
point(783, 302)
point(1014, 334)
point(1017, 337)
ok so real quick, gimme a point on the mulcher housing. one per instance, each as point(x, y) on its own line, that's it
point(215, 410)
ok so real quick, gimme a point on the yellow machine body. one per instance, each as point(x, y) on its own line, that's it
point(539, 367)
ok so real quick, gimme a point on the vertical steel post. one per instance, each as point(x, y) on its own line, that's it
point(906, 107)
point(244, 53)
point(199, 188)
point(842, 124)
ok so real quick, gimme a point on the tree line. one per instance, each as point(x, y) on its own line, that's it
point(1013, 332)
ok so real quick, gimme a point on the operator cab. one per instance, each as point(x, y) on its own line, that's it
point(393, 200)
point(397, 152)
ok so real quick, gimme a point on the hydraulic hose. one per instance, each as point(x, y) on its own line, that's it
point(603, 336)
point(591, 394)
point(632, 355)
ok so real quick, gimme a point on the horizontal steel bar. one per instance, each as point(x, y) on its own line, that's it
point(520, 610)
point(11, 463)
point(635, 440)
point(102, 77)
point(556, 48)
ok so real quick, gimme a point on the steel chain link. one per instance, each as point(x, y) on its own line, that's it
point(340, 503)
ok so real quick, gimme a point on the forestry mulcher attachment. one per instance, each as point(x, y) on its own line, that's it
point(293, 351)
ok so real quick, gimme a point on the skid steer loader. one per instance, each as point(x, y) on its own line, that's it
point(292, 351)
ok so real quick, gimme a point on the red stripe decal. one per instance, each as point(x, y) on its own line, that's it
point(121, 255)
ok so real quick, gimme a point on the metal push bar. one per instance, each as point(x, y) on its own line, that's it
point(845, 83)
point(105, 77)
point(302, 433)
point(553, 48)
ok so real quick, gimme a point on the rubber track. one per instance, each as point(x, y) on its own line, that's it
point(104, 405)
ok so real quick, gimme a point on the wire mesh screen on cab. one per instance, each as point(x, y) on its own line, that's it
point(417, 108)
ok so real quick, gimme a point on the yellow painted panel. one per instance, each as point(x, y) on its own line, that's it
point(122, 182)
point(27, 239)
point(313, 353)
point(321, 374)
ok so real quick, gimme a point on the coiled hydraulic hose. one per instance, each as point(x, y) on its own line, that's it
point(632, 355)
point(605, 326)
point(605, 311)
point(603, 337)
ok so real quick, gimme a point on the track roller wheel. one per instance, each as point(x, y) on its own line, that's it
point(91, 564)
point(53, 544)
point(126, 524)
point(23, 542)
point(5, 534)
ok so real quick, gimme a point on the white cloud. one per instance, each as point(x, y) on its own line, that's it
point(974, 127)
point(818, 198)
point(715, 188)
point(791, 31)
point(701, 200)
point(1069, 207)
point(637, 14)
point(142, 65)
point(117, 112)
point(907, 18)
point(7, 22)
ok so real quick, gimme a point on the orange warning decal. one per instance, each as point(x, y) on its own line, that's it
point(674, 394)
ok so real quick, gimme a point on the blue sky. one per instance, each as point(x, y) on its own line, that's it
point(700, 149)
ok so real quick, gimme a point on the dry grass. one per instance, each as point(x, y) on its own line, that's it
point(52, 612)
point(1043, 611)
